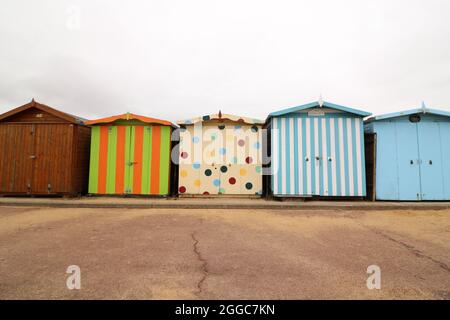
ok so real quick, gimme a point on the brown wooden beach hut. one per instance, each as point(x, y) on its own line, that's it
point(43, 151)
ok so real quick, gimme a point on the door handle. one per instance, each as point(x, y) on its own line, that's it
point(430, 162)
point(411, 162)
point(33, 157)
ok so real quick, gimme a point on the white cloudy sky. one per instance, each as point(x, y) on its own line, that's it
point(176, 59)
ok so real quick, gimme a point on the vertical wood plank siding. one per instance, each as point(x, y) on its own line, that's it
point(338, 142)
point(130, 159)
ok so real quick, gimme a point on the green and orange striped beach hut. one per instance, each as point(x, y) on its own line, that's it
point(130, 154)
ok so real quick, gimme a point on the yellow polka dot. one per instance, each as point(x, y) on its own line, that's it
point(242, 172)
point(183, 173)
point(213, 153)
point(197, 183)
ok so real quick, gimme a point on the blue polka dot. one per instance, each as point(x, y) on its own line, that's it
point(237, 127)
point(216, 182)
point(235, 160)
point(196, 165)
point(195, 139)
point(222, 151)
point(258, 169)
point(257, 145)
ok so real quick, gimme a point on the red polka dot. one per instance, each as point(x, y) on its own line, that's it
point(182, 189)
point(249, 160)
point(241, 143)
point(184, 155)
point(232, 180)
point(206, 193)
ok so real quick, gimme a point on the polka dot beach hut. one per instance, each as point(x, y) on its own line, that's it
point(220, 154)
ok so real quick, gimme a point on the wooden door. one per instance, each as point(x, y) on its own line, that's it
point(16, 162)
point(52, 158)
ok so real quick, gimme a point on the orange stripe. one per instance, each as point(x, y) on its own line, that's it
point(103, 159)
point(120, 160)
point(156, 149)
point(137, 167)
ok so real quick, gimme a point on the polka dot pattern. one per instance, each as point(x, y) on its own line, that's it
point(236, 157)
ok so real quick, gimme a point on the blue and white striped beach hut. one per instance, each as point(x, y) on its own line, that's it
point(317, 149)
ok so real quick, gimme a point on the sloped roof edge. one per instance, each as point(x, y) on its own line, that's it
point(317, 104)
point(34, 104)
point(130, 116)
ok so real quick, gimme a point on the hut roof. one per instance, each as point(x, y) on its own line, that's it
point(319, 104)
point(34, 104)
point(130, 116)
point(220, 116)
point(422, 110)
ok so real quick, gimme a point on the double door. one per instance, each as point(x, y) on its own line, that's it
point(130, 160)
point(420, 166)
point(36, 158)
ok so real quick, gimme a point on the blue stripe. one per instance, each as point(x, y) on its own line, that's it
point(288, 158)
point(355, 169)
point(346, 157)
point(319, 153)
point(312, 158)
point(338, 156)
point(363, 159)
point(273, 152)
point(329, 182)
point(280, 165)
point(305, 189)
point(296, 160)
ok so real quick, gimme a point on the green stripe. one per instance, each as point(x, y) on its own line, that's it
point(93, 167)
point(112, 155)
point(132, 143)
point(127, 184)
point(146, 159)
point(164, 161)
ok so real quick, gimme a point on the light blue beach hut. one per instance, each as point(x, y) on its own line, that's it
point(317, 149)
point(412, 154)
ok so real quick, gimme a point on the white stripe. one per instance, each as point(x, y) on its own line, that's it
point(283, 156)
point(358, 154)
point(341, 155)
point(300, 155)
point(333, 157)
point(275, 153)
point(350, 157)
point(325, 157)
point(308, 155)
point(317, 153)
point(291, 155)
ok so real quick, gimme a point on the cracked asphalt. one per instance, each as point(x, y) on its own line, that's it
point(223, 254)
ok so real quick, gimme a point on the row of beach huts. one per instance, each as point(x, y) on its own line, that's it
point(319, 150)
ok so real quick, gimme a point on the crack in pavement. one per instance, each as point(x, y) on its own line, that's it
point(409, 247)
point(202, 260)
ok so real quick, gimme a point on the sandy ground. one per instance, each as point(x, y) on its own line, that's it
point(223, 254)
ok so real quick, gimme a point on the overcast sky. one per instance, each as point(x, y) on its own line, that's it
point(176, 59)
